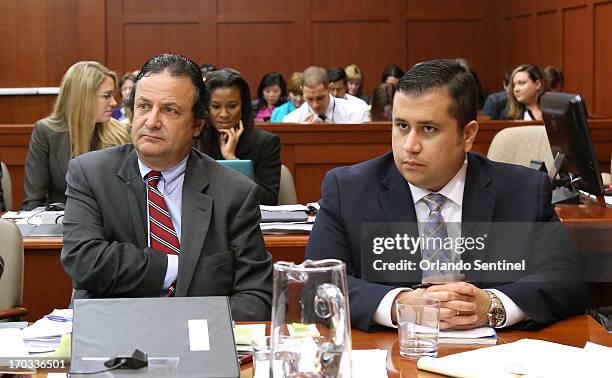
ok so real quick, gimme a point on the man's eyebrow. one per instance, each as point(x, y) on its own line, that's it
point(423, 122)
point(428, 122)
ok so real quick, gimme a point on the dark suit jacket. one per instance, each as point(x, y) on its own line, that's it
point(105, 234)
point(375, 191)
point(45, 167)
point(264, 150)
point(495, 105)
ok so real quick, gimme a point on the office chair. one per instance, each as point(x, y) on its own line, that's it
point(519, 145)
point(6, 187)
point(11, 281)
point(286, 192)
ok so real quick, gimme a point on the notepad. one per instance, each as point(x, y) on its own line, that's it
point(524, 357)
point(480, 335)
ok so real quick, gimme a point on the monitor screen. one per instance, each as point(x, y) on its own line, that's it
point(243, 166)
point(565, 118)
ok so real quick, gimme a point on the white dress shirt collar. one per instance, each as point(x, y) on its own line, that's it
point(170, 176)
point(453, 190)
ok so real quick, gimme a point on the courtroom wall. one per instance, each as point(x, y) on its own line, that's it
point(42, 38)
point(575, 35)
point(47, 36)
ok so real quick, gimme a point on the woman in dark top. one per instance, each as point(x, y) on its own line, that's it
point(231, 134)
point(527, 85)
point(81, 122)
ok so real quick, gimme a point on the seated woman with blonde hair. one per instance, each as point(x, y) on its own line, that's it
point(526, 87)
point(80, 122)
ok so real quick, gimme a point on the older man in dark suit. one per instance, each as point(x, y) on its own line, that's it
point(156, 218)
point(432, 178)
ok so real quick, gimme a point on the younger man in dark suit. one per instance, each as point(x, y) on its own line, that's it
point(432, 178)
point(155, 217)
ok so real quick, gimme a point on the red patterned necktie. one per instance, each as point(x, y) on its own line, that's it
point(162, 236)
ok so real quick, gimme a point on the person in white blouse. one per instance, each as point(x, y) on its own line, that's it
point(320, 106)
point(338, 86)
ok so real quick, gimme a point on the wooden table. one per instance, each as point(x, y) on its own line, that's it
point(573, 331)
point(47, 286)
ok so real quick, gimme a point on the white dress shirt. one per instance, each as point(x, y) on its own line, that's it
point(357, 101)
point(171, 186)
point(339, 110)
point(451, 212)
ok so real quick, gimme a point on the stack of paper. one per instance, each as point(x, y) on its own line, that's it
point(481, 335)
point(12, 347)
point(285, 219)
point(526, 357)
point(45, 334)
point(244, 334)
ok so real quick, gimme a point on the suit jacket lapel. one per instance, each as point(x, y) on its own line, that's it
point(136, 198)
point(398, 208)
point(478, 208)
point(64, 154)
point(195, 220)
point(396, 201)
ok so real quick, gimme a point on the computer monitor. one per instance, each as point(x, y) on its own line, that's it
point(565, 118)
point(243, 166)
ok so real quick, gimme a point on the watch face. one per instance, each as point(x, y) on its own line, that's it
point(497, 316)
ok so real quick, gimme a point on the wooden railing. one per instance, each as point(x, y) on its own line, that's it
point(311, 150)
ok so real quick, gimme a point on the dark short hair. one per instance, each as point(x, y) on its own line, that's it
point(177, 66)
point(207, 67)
point(554, 77)
point(391, 70)
point(336, 74)
point(444, 74)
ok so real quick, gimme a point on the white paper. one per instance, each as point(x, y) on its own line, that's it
point(296, 207)
point(285, 227)
point(533, 358)
point(258, 332)
point(598, 351)
point(198, 335)
point(45, 334)
point(22, 214)
point(608, 200)
point(11, 343)
point(369, 363)
point(474, 333)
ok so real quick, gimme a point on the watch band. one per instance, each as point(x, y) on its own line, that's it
point(496, 313)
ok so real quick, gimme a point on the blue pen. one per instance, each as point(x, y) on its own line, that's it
point(58, 318)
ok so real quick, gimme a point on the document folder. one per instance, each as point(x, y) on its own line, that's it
point(163, 328)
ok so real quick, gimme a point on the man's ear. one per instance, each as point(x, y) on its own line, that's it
point(469, 134)
point(198, 126)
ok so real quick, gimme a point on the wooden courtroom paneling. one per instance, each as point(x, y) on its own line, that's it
point(440, 29)
point(574, 35)
point(309, 151)
point(603, 58)
point(40, 40)
point(576, 31)
point(14, 141)
point(549, 38)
